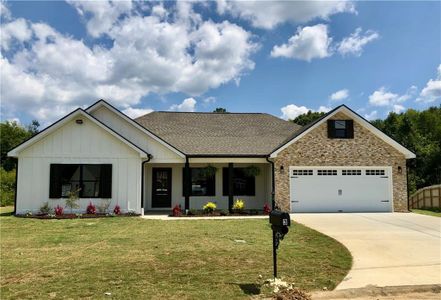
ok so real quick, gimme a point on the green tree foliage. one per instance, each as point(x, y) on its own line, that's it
point(220, 110)
point(420, 132)
point(7, 187)
point(307, 118)
point(12, 134)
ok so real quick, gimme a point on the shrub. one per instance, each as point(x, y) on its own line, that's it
point(72, 200)
point(58, 210)
point(7, 187)
point(45, 208)
point(117, 210)
point(177, 211)
point(192, 212)
point(91, 209)
point(103, 207)
point(239, 205)
point(266, 209)
point(209, 208)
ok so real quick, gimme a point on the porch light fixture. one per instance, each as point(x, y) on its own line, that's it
point(282, 169)
point(400, 170)
point(79, 121)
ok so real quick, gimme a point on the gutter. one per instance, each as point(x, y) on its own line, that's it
point(273, 189)
point(16, 188)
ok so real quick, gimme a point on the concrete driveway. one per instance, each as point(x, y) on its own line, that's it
point(389, 249)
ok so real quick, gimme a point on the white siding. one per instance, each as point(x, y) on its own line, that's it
point(161, 153)
point(74, 143)
point(263, 189)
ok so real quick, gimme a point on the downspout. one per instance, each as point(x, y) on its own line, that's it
point(186, 184)
point(16, 187)
point(149, 157)
point(273, 186)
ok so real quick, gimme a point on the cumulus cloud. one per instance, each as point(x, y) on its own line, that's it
point(432, 91)
point(397, 108)
point(372, 115)
point(308, 43)
point(354, 43)
point(268, 14)
point(100, 16)
point(383, 97)
point(16, 31)
point(136, 112)
point(160, 53)
point(292, 111)
point(339, 95)
point(188, 105)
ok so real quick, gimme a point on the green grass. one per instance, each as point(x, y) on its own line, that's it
point(427, 212)
point(134, 258)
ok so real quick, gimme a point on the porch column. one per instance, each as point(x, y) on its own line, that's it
point(187, 184)
point(230, 185)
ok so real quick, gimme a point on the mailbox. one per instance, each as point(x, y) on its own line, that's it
point(280, 218)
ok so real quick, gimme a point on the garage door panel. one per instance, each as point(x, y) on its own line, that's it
point(331, 191)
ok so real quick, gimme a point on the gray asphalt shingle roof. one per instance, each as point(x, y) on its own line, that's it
point(219, 134)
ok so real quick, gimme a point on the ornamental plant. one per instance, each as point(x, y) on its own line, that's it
point(177, 211)
point(117, 210)
point(72, 200)
point(91, 209)
point(209, 208)
point(239, 205)
point(266, 209)
point(58, 210)
point(45, 209)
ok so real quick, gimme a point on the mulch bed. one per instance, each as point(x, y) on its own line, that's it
point(74, 216)
point(218, 214)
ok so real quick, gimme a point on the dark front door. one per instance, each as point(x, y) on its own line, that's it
point(161, 189)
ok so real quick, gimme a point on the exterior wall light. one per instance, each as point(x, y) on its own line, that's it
point(400, 170)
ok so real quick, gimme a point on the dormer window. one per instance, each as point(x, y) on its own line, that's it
point(340, 129)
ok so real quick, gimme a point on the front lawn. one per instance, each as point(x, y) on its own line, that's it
point(137, 258)
point(429, 212)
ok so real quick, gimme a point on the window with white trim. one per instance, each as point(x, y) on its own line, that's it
point(351, 172)
point(326, 172)
point(375, 172)
point(302, 172)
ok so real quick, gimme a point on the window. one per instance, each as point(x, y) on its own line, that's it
point(243, 185)
point(341, 129)
point(202, 184)
point(375, 172)
point(351, 172)
point(326, 172)
point(93, 181)
point(301, 172)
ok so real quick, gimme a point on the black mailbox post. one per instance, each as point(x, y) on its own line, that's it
point(279, 221)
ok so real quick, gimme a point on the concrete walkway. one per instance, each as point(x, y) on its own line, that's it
point(389, 249)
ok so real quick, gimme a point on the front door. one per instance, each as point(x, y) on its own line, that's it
point(161, 189)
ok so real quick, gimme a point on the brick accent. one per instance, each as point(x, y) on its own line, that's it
point(316, 149)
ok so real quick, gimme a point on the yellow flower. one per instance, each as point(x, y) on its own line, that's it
point(239, 204)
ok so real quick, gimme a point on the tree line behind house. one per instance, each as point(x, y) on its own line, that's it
point(419, 131)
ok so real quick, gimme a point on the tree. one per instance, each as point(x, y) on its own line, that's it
point(220, 110)
point(307, 118)
point(12, 134)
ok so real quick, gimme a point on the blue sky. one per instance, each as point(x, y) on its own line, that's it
point(277, 57)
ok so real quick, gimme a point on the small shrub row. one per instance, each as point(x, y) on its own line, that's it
point(210, 208)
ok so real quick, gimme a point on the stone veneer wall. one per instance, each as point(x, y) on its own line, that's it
point(316, 149)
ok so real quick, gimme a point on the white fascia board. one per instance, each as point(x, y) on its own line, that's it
point(78, 112)
point(101, 103)
point(407, 153)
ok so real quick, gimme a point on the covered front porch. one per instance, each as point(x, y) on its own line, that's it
point(207, 179)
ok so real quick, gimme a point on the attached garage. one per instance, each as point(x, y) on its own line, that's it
point(341, 189)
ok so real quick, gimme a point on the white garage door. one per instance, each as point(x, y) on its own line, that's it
point(341, 189)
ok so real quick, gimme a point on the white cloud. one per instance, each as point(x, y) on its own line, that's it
point(100, 16)
point(397, 108)
point(136, 112)
point(309, 42)
point(382, 97)
point(4, 11)
point(354, 43)
point(268, 14)
point(371, 116)
point(15, 31)
point(432, 91)
point(339, 95)
point(188, 105)
point(292, 111)
point(181, 52)
point(209, 100)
